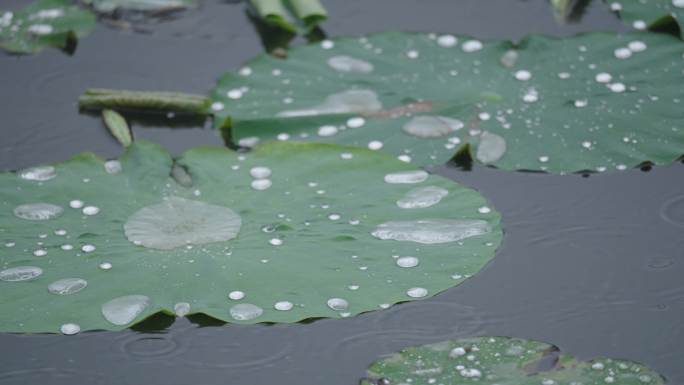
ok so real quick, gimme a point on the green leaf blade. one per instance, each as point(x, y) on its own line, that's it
point(320, 256)
point(545, 119)
point(117, 127)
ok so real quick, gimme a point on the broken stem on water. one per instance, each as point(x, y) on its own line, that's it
point(177, 102)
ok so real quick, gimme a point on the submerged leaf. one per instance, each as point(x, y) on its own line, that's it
point(45, 23)
point(591, 102)
point(503, 360)
point(651, 14)
point(267, 236)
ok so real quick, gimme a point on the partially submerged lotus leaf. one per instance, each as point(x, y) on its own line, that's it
point(591, 102)
point(287, 232)
point(502, 360)
point(651, 14)
point(45, 23)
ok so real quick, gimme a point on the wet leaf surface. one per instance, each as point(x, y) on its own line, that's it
point(650, 14)
point(268, 236)
point(592, 102)
point(502, 360)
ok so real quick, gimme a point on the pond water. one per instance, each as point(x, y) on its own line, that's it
point(591, 264)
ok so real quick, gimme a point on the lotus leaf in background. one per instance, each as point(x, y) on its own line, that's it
point(595, 101)
point(502, 360)
point(109, 6)
point(287, 232)
point(46, 23)
point(651, 14)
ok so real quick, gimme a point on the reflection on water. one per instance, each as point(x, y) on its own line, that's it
point(673, 211)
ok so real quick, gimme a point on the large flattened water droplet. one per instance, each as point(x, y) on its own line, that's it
point(338, 304)
point(414, 176)
point(260, 172)
point(67, 286)
point(38, 211)
point(345, 63)
point(417, 292)
point(39, 173)
point(261, 184)
point(345, 102)
point(245, 312)
point(283, 305)
point(431, 231)
point(407, 261)
point(177, 222)
point(70, 329)
point(431, 126)
point(20, 273)
point(491, 148)
point(422, 197)
point(123, 310)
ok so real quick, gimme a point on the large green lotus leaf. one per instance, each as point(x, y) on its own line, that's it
point(46, 23)
point(301, 238)
point(502, 360)
point(642, 14)
point(591, 102)
point(108, 6)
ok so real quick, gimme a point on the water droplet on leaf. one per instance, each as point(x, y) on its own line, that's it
point(177, 222)
point(338, 304)
point(415, 176)
point(40, 173)
point(20, 273)
point(417, 292)
point(422, 197)
point(123, 310)
point(431, 231)
point(38, 211)
point(70, 329)
point(245, 312)
point(67, 286)
point(407, 261)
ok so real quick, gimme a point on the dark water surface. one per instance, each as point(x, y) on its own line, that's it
point(594, 265)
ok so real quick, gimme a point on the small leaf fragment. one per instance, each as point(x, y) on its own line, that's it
point(117, 127)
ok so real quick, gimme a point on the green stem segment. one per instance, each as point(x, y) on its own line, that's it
point(311, 12)
point(100, 99)
point(275, 12)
